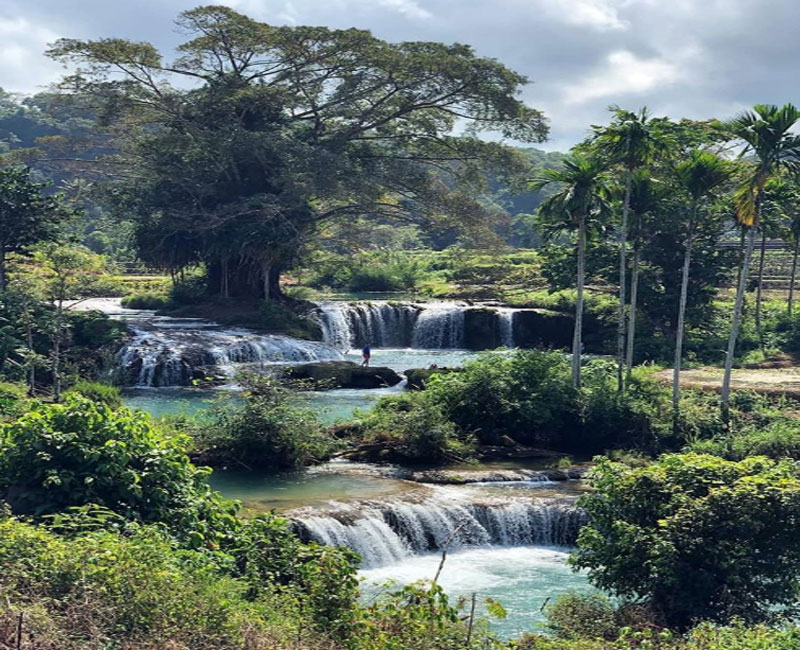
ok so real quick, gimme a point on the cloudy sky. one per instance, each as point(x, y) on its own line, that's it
point(683, 58)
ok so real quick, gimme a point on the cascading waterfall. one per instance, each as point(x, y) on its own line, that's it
point(440, 325)
point(381, 324)
point(506, 325)
point(385, 532)
point(171, 356)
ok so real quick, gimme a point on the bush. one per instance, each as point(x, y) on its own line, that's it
point(103, 393)
point(776, 440)
point(190, 290)
point(412, 428)
point(263, 430)
point(589, 616)
point(695, 537)
point(59, 456)
point(146, 300)
point(12, 399)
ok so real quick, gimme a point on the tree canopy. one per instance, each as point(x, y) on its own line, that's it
point(256, 135)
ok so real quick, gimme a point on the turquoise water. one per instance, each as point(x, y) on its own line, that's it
point(332, 406)
point(262, 492)
point(522, 579)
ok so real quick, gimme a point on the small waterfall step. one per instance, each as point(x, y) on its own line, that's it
point(387, 531)
point(170, 353)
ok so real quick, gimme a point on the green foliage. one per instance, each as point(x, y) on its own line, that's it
point(413, 429)
point(106, 394)
point(780, 439)
point(697, 537)
point(263, 430)
point(58, 456)
point(145, 300)
point(27, 215)
point(588, 616)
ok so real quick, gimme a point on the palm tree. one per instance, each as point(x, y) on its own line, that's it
point(645, 198)
point(765, 132)
point(698, 175)
point(582, 198)
point(630, 142)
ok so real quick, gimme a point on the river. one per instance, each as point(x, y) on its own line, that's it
point(505, 539)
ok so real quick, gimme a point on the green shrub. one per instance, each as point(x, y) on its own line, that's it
point(263, 430)
point(12, 399)
point(104, 393)
point(777, 440)
point(412, 428)
point(59, 456)
point(145, 300)
point(695, 537)
point(588, 616)
point(190, 290)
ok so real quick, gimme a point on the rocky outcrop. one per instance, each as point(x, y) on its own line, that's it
point(342, 374)
point(536, 328)
point(481, 329)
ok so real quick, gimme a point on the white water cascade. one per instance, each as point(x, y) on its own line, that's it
point(440, 325)
point(506, 325)
point(162, 354)
point(380, 323)
point(385, 324)
point(387, 531)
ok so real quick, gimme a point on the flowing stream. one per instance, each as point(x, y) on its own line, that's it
point(504, 540)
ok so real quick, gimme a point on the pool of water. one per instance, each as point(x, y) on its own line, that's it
point(331, 406)
point(521, 578)
point(260, 492)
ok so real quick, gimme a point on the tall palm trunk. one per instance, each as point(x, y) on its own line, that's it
point(623, 243)
point(676, 367)
point(578, 333)
point(760, 286)
point(735, 324)
point(632, 310)
point(790, 304)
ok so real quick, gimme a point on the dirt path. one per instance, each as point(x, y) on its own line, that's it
point(770, 381)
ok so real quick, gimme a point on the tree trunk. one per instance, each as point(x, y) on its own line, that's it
point(623, 243)
point(224, 280)
point(632, 310)
point(266, 270)
point(3, 281)
point(759, 329)
point(31, 358)
point(59, 327)
point(577, 337)
point(790, 304)
point(676, 368)
point(735, 323)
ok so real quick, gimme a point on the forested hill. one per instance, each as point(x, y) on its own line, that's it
point(53, 137)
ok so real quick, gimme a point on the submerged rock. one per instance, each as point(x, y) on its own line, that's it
point(342, 374)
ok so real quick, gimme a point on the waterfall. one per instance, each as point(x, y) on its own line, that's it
point(174, 356)
point(385, 532)
point(440, 325)
point(382, 324)
point(505, 319)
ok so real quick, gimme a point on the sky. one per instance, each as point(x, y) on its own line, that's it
point(682, 58)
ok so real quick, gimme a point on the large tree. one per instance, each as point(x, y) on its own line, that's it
point(580, 201)
point(766, 133)
point(630, 141)
point(234, 154)
point(27, 214)
point(698, 175)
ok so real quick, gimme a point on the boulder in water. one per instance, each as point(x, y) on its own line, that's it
point(342, 374)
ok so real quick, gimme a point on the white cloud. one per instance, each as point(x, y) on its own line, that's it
point(408, 8)
point(22, 44)
point(622, 74)
point(598, 14)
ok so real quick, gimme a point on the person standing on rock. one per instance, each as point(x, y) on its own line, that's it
point(366, 353)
